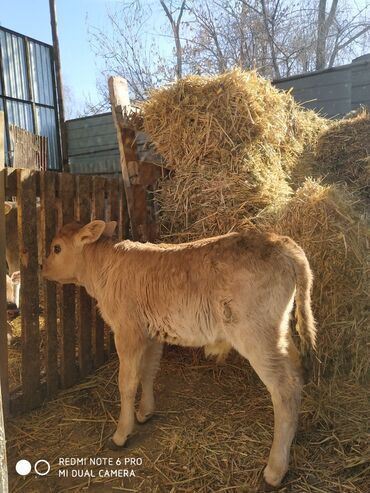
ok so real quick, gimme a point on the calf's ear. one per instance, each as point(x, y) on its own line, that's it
point(110, 228)
point(90, 233)
point(8, 207)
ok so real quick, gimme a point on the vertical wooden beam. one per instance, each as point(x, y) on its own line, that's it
point(137, 175)
point(67, 298)
point(112, 214)
point(4, 389)
point(59, 84)
point(29, 291)
point(119, 98)
point(124, 220)
point(98, 212)
point(48, 181)
point(44, 154)
point(3, 461)
point(4, 384)
point(84, 314)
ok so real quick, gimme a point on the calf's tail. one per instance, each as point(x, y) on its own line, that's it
point(305, 322)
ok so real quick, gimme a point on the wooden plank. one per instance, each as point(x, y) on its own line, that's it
point(118, 93)
point(4, 390)
point(67, 298)
point(145, 173)
point(114, 201)
point(112, 214)
point(98, 212)
point(137, 176)
point(4, 383)
point(84, 304)
point(48, 182)
point(10, 183)
point(59, 84)
point(46, 155)
point(124, 222)
point(29, 149)
point(29, 291)
point(3, 461)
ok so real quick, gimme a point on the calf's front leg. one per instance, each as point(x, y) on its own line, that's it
point(130, 353)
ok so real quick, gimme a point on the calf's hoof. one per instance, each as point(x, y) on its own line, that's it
point(113, 445)
point(143, 417)
point(273, 478)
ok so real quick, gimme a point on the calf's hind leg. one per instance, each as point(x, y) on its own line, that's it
point(149, 369)
point(282, 377)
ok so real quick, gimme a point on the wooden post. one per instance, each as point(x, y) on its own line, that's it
point(84, 305)
point(98, 212)
point(59, 84)
point(48, 227)
point(137, 175)
point(29, 292)
point(3, 464)
point(119, 98)
point(4, 402)
point(67, 294)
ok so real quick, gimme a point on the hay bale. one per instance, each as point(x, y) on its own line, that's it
point(233, 140)
point(324, 223)
point(205, 203)
point(343, 152)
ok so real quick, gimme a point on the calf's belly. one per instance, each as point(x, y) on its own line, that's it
point(185, 330)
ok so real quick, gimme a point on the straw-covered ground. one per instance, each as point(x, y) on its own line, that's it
point(211, 433)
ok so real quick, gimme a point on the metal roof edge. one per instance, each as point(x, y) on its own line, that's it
point(10, 31)
point(89, 116)
point(323, 71)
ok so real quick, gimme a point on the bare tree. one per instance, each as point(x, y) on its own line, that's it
point(175, 26)
point(324, 23)
point(277, 37)
point(125, 51)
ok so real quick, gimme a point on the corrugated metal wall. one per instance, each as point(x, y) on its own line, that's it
point(27, 94)
point(93, 144)
point(334, 92)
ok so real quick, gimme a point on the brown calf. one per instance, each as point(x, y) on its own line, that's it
point(12, 241)
point(236, 289)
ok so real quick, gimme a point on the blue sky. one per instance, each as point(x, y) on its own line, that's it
point(79, 66)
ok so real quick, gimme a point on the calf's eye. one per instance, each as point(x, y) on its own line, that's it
point(57, 249)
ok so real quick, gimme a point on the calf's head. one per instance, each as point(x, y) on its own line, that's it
point(66, 250)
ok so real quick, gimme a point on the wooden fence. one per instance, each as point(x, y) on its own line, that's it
point(29, 150)
point(65, 339)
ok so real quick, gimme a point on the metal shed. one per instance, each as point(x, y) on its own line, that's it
point(93, 146)
point(335, 91)
point(27, 91)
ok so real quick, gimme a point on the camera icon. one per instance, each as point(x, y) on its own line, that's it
point(24, 467)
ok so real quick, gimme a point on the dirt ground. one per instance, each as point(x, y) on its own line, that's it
point(211, 433)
